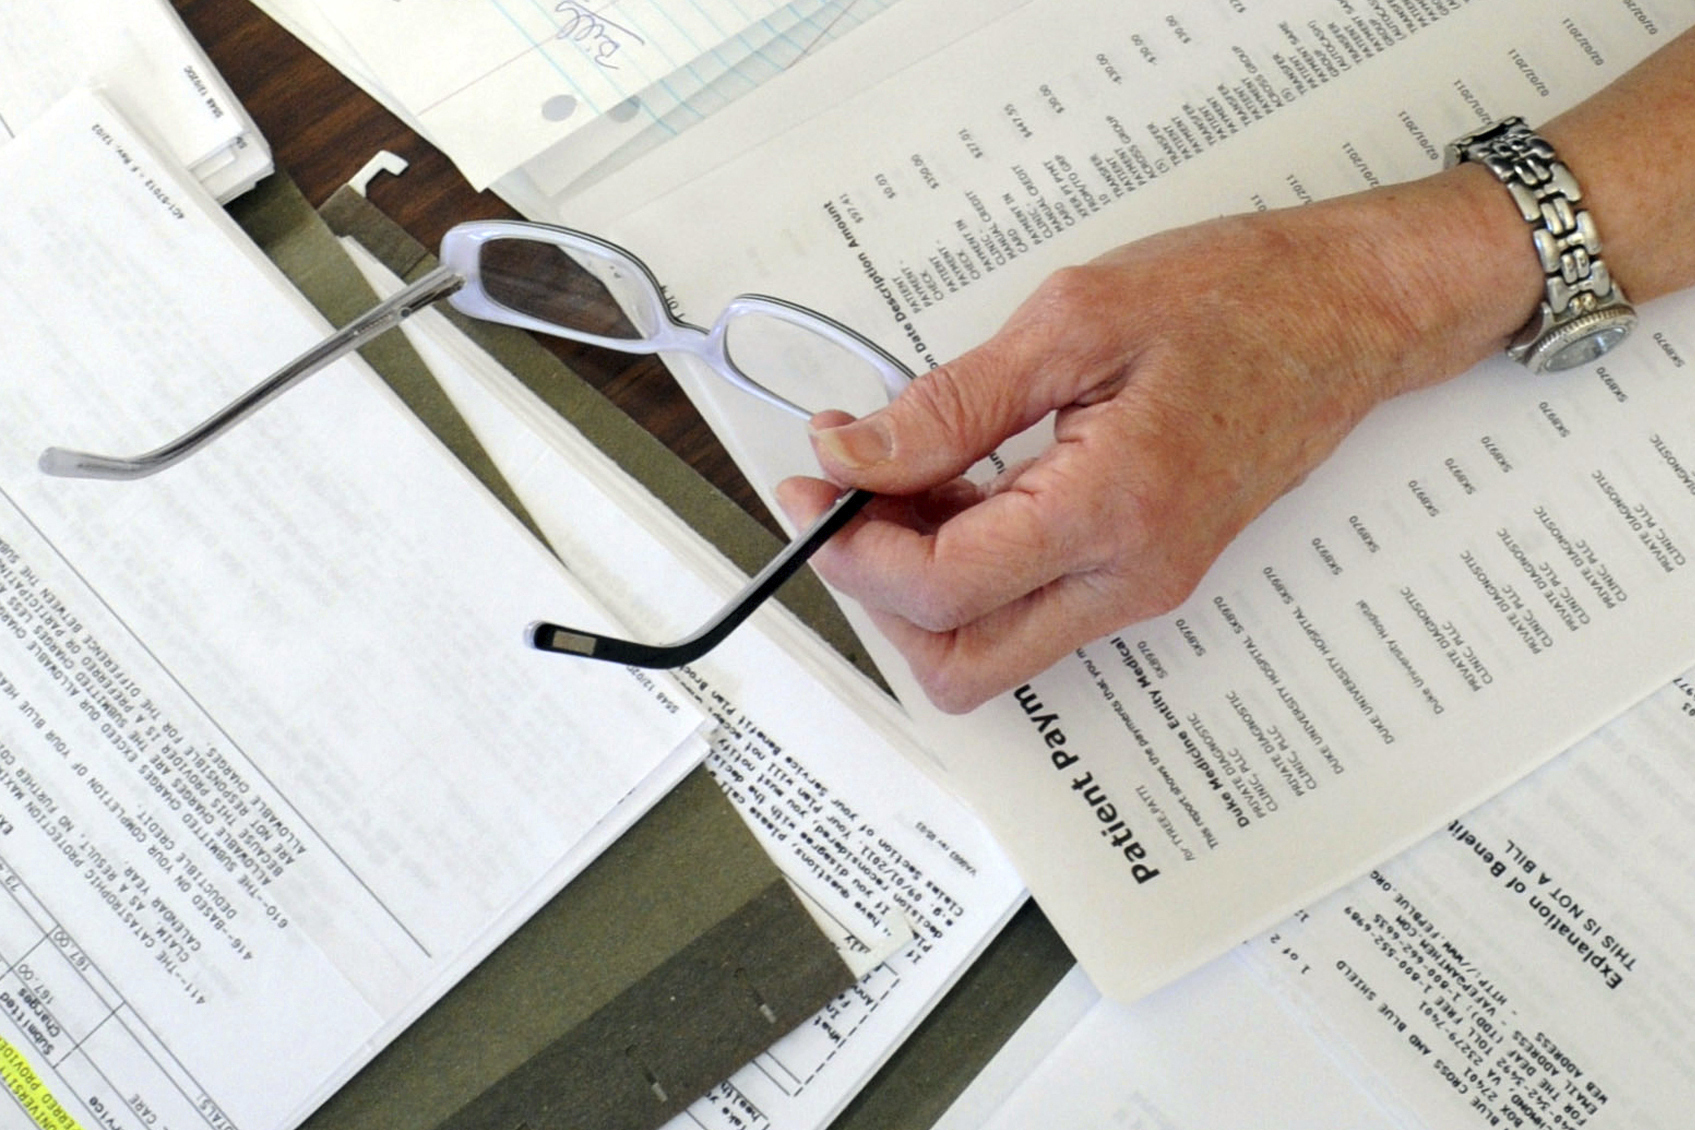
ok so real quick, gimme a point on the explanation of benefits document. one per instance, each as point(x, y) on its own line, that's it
point(1527, 965)
point(1482, 574)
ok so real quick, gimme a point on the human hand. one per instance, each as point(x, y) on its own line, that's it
point(1195, 376)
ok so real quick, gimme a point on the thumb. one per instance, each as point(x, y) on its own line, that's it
point(938, 426)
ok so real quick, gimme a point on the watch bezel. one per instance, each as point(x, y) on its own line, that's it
point(1597, 332)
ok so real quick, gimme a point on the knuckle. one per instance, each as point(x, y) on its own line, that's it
point(936, 608)
point(1169, 590)
point(977, 569)
point(1082, 326)
point(941, 395)
point(949, 700)
point(952, 407)
point(831, 565)
point(1146, 521)
point(950, 687)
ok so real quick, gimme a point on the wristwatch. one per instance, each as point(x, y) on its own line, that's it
point(1583, 313)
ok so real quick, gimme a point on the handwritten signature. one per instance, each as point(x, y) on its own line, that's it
point(598, 37)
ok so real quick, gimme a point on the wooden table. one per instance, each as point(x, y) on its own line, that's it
point(322, 129)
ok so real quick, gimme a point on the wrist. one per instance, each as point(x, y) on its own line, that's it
point(1582, 314)
point(1460, 272)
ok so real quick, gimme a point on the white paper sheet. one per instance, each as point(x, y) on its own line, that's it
point(277, 769)
point(139, 53)
point(1484, 573)
point(494, 83)
point(904, 36)
point(563, 161)
point(1533, 960)
point(1217, 1049)
point(787, 39)
point(815, 758)
point(1529, 965)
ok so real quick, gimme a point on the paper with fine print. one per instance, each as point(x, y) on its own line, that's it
point(275, 767)
point(1481, 575)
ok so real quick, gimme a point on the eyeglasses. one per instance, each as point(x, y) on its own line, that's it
point(574, 285)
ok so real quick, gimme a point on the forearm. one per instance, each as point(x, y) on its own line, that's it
point(1458, 258)
point(1632, 148)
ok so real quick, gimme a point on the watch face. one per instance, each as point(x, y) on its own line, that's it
point(1586, 349)
point(1582, 340)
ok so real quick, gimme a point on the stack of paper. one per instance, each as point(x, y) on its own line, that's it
point(275, 769)
point(1484, 574)
point(819, 762)
point(143, 59)
point(1481, 576)
point(576, 87)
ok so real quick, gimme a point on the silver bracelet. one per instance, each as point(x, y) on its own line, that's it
point(1583, 313)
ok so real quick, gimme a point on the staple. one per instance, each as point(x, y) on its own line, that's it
point(758, 998)
point(652, 1079)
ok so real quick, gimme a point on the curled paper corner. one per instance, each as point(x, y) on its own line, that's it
point(862, 954)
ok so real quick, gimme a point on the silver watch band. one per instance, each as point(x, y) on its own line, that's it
point(1581, 303)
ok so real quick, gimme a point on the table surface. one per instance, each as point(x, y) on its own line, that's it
point(322, 129)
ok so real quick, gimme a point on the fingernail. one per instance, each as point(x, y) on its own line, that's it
point(863, 443)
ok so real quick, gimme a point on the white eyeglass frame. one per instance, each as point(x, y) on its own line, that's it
point(461, 251)
point(458, 278)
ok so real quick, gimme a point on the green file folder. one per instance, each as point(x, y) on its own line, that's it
point(642, 984)
point(653, 975)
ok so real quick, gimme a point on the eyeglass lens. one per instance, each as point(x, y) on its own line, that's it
point(570, 288)
point(580, 289)
point(801, 365)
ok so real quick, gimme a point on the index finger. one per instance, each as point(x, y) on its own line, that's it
point(962, 668)
point(1004, 547)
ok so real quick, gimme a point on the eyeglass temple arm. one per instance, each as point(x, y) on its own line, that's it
point(438, 284)
point(571, 641)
